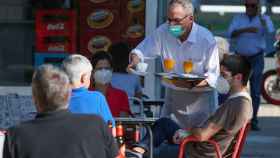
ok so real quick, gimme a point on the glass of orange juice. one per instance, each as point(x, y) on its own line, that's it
point(188, 66)
point(169, 64)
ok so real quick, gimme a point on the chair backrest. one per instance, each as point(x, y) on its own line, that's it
point(240, 140)
point(136, 106)
point(235, 149)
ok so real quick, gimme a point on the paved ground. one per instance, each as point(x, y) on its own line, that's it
point(265, 143)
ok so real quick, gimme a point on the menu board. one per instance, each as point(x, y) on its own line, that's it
point(104, 22)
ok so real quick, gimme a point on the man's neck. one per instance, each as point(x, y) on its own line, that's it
point(237, 90)
point(185, 36)
point(251, 16)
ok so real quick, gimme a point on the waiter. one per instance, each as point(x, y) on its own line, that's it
point(248, 30)
point(180, 39)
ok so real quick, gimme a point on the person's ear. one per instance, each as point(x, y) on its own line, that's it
point(83, 78)
point(239, 77)
point(191, 17)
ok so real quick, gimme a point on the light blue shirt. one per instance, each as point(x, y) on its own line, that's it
point(249, 44)
point(84, 101)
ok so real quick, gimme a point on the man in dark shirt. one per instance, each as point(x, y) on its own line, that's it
point(222, 126)
point(55, 132)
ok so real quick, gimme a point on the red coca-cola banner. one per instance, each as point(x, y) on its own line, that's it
point(56, 31)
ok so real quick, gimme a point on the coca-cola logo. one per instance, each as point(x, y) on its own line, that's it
point(55, 27)
point(56, 47)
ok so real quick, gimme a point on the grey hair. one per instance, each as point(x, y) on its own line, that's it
point(223, 46)
point(50, 88)
point(186, 4)
point(75, 66)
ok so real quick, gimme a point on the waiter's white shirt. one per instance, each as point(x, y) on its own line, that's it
point(200, 47)
point(187, 108)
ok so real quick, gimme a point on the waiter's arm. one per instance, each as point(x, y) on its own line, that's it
point(149, 47)
point(238, 32)
point(212, 66)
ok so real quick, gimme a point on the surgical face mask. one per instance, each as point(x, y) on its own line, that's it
point(223, 85)
point(103, 76)
point(176, 30)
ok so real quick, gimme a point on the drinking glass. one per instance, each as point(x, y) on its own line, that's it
point(169, 64)
point(188, 66)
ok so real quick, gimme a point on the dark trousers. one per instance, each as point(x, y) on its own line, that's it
point(257, 66)
point(163, 129)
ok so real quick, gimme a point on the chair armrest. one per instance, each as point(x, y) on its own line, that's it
point(192, 138)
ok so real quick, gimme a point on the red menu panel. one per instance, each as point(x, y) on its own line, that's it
point(99, 19)
point(92, 42)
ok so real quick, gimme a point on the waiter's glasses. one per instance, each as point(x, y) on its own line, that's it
point(176, 20)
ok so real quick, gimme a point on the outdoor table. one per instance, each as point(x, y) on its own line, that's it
point(146, 122)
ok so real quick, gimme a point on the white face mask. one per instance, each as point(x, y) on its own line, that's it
point(103, 76)
point(223, 86)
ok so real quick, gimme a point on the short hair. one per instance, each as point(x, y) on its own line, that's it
point(186, 4)
point(75, 66)
point(237, 64)
point(120, 55)
point(51, 88)
point(101, 55)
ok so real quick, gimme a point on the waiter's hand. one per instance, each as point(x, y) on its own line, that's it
point(190, 84)
point(134, 60)
point(202, 83)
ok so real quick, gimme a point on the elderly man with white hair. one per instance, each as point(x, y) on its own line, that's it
point(79, 68)
point(56, 132)
point(181, 40)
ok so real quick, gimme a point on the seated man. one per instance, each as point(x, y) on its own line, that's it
point(78, 68)
point(222, 126)
point(55, 132)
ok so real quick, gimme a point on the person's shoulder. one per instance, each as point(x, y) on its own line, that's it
point(240, 102)
point(239, 16)
point(23, 126)
point(95, 94)
point(86, 118)
point(163, 28)
point(117, 91)
point(266, 17)
point(205, 35)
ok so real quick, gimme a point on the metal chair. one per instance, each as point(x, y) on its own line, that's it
point(136, 107)
point(234, 151)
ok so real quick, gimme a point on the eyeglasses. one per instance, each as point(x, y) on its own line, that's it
point(251, 5)
point(176, 20)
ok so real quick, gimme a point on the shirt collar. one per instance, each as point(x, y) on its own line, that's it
point(53, 114)
point(192, 36)
point(81, 89)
